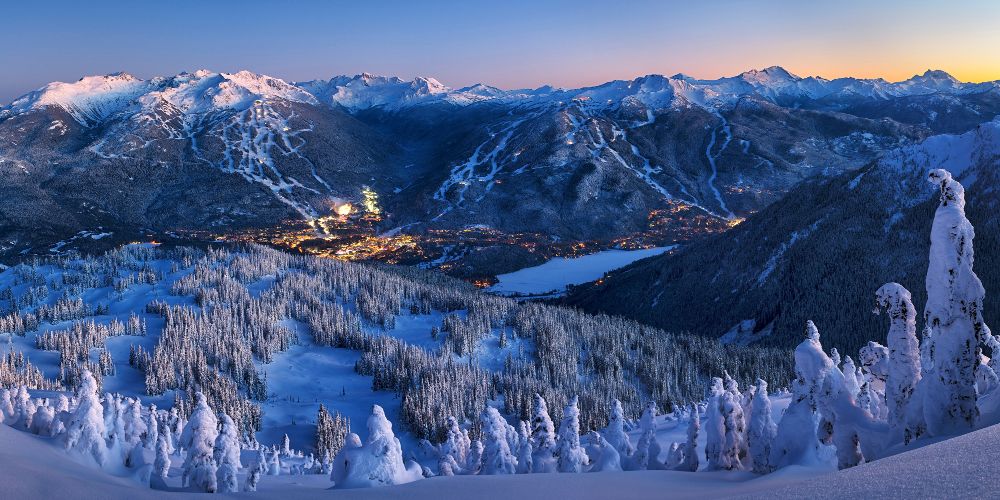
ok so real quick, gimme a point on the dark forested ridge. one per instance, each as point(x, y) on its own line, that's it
point(820, 253)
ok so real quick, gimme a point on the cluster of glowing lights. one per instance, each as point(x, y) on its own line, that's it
point(370, 201)
point(343, 209)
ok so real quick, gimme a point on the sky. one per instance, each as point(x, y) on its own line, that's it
point(508, 44)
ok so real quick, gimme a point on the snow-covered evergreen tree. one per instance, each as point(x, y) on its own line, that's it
point(734, 440)
point(606, 458)
point(454, 450)
point(286, 447)
point(474, 460)
point(342, 461)
point(152, 434)
point(647, 449)
point(227, 456)
point(524, 449)
point(571, 456)
point(274, 463)
point(6, 406)
point(542, 438)
point(715, 425)
point(161, 465)
point(690, 463)
point(256, 471)
point(85, 431)
point(24, 408)
point(330, 432)
point(133, 429)
point(42, 419)
point(497, 457)
point(198, 439)
point(615, 433)
point(379, 462)
point(851, 383)
point(796, 441)
point(954, 313)
point(762, 430)
point(904, 355)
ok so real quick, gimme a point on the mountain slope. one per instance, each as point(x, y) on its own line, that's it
point(819, 253)
point(655, 159)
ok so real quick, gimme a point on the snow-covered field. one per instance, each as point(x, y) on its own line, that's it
point(558, 273)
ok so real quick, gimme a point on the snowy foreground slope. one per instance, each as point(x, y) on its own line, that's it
point(960, 467)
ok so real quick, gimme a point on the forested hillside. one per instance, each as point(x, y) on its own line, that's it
point(817, 253)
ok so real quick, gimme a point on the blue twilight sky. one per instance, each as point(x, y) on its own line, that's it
point(509, 44)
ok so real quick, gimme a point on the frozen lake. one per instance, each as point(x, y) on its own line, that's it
point(556, 274)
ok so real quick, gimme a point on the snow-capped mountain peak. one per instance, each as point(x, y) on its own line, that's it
point(89, 99)
point(94, 99)
point(931, 81)
point(769, 75)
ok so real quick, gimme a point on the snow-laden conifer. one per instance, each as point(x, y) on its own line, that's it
point(227, 456)
point(542, 438)
point(954, 313)
point(761, 430)
point(198, 439)
point(690, 463)
point(379, 462)
point(85, 431)
point(647, 448)
point(606, 458)
point(904, 355)
point(571, 456)
point(497, 456)
point(615, 433)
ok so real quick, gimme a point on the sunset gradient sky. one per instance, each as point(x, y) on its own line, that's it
point(509, 44)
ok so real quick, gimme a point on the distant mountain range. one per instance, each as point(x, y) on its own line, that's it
point(227, 151)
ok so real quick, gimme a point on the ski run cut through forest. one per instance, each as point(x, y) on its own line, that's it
point(154, 371)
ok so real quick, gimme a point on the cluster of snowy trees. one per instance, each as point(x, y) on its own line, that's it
point(246, 298)
point(932, 385)
point(75, 344)
point(123, 437)
point(16, 370)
